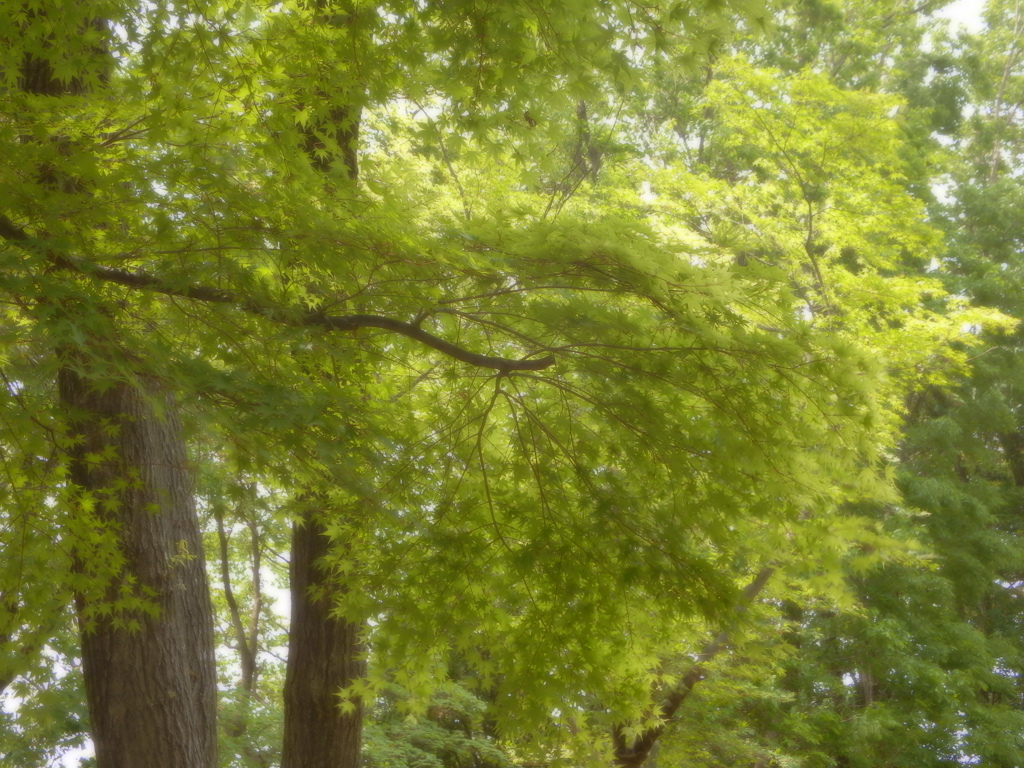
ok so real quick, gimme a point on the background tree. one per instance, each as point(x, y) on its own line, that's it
point(921, 673)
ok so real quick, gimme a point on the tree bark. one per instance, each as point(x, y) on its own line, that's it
point(149, 671)
point(325, 655)
point(247, 641)
point(151, 690)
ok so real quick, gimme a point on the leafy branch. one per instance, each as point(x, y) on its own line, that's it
point(632, 753)
point(282, 315)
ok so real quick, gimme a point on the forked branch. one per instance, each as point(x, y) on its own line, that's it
point(633, 752)
point(290, 316)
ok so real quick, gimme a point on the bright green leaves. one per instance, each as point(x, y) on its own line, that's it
point(49, 41)
point(797, 173)
point(451, 734)
point(728, 265)
point(558, 510)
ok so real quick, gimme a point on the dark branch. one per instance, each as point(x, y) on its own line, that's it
point(146, 282)
point(12, 232)
point(632, 754)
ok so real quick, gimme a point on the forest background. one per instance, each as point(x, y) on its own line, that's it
point(606, 383)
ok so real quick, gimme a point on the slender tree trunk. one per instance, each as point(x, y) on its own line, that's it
point(324, 656)
point(246, 640)
point(151, 690)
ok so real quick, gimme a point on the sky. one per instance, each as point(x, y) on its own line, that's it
point(965, 12)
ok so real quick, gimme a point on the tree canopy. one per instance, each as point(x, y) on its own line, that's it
point(513, 384)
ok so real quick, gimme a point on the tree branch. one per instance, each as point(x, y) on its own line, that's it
point(246, 652)
point(284, 316)
point(633, 753)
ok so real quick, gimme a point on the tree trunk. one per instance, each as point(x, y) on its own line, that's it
point(149, 667)
point(151, 690)
point(324, 656)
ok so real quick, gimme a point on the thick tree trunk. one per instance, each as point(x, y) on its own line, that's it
point(150, 675)
point(324, 656)
point(152, 689)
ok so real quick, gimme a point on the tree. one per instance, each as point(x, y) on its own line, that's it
point(924, 671)
point(127, 478)
point(364, 246)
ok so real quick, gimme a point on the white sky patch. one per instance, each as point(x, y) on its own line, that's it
point(74, 757)
point(943, 191)
point(965, 13)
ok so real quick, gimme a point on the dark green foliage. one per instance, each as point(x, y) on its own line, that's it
point(449, 733)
